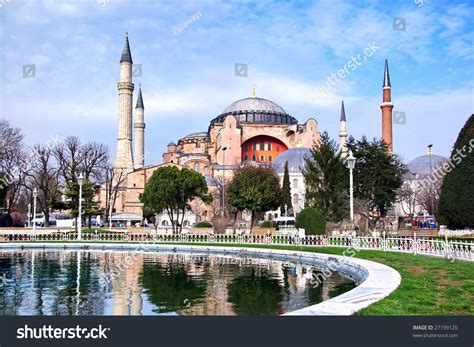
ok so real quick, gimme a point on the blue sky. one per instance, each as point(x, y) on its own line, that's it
point(188, 79)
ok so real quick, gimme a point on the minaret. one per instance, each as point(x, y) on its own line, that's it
point(123, 156)
point(139, 134)
point(387, 108)
point(343, 132)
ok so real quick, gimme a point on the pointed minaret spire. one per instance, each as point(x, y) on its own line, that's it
point(386, 75)
point(343, 132)
point(140, 98)
point(343, 112)
point(126, 54)
point(254, 92)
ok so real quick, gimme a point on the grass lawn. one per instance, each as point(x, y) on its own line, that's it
point(429, 286)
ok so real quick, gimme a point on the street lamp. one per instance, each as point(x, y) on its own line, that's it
point(350, 162)
point(223, 180)
point(29, 215)
point(35, 196)
point(80, 180)
point(111, 202)
point(430, 154)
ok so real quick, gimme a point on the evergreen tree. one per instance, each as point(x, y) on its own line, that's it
point(286, 194)
point(378, 174)
point(327, 180)
point(456, 202)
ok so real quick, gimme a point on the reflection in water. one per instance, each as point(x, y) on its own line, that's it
point(125, 283)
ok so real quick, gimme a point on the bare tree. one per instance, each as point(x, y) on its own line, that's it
point(43, 175)
point(409, 197)
point(12, 164)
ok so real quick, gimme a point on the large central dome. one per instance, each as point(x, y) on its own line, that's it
point(256, 110)
point(254, 104)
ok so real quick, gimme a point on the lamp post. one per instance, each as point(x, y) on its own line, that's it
point(111, 202)
point(80, 180)
point(29, 215)
point(430, 154)
point(350, 162)
point(35, 196)
point(223, 180)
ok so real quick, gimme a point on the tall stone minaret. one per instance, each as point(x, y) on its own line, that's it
point(139, 134)
point(343, 132)
point(124, 156)
point(387, 108)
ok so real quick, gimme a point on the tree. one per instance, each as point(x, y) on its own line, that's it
point(256, 189)
point(327, 181)
point(409, 198)
point(13, 164)
point(286, 194)
point(378, 174)
point(41, 174)
point(312, 221)
point(171, 189)
point(457, 192)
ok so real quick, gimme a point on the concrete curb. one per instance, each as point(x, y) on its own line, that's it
point(375, 281)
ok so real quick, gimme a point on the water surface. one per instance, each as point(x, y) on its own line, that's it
point(67, 282)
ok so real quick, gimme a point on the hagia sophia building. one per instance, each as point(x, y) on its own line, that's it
point(250, 131)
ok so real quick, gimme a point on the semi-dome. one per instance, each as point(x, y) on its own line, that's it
point(256, 110)
point(423, 165)
point(295, 158)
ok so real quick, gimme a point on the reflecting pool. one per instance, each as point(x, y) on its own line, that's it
point(67, 282)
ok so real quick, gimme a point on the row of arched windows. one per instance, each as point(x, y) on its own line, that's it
point(254, 157)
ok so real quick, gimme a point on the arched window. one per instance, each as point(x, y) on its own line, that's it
point(295, 183)
point(262, 146)
point(269, 146)
point(295, 199)
point(164, 223)
point(196, 167)
point(254, 157)
point(186, 223)
point(246, 147)
point(270, 158)
point(206, 171)
point(246, 157)
point(262, 158)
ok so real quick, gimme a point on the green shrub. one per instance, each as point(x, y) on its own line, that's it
point(203, 224)
point(269, 224)
point(312, 221)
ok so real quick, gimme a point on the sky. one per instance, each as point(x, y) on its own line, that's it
point(59, 66)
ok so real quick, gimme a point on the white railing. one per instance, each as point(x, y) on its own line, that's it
point(426, 246)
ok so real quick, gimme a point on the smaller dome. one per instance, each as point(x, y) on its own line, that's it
point(423, 165)
point(171, 144)
point(198, 134)
point(295, 158)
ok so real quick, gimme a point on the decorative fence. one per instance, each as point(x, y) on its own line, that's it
point(450, 249)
